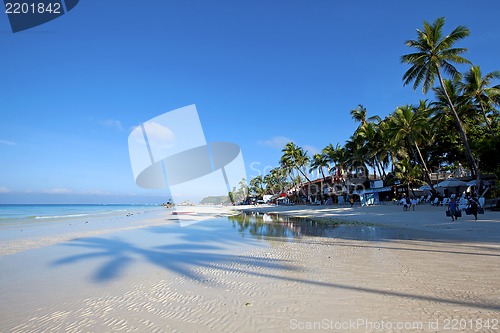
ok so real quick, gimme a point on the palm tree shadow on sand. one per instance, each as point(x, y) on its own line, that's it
point(186, 253)
point(202, 250)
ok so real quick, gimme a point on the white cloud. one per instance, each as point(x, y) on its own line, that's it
point(65, 190)
point(277, 142)
point(58, 191)
point(7, 142)
point(97, 192)
point(112, 123)
point(4, 190)
point(159, 137)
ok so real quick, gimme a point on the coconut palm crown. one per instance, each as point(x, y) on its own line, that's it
point(434, 54)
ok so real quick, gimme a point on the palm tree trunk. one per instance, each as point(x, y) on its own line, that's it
point(486, 120)
point(420, 158)
point(377, 164)
point(383, 171)
point(303, 174)
point(463, 135)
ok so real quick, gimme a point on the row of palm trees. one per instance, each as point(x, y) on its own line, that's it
point(413, 139)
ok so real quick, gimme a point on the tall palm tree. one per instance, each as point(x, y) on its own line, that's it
point(295, 157)
point(257, 185)
point(372, 146)
point(342, 159)
point(275, 180)
point(410, 125)
point(359, 114)
point(335, 158)
point(483, 97)
point(318, 162)
point(363, 140)
point(329, 152)
point(435, 55)
point(355, 153)
point(383, 149)
point(271, 183)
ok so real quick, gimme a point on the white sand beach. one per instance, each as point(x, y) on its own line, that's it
point(394, 272)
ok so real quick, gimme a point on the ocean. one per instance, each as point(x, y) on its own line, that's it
point(13, 214)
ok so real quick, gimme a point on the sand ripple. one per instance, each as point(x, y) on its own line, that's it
point(312, 279)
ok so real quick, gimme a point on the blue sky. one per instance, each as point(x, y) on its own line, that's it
point(259, 72)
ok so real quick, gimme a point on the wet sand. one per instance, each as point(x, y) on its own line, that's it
point(396, 271)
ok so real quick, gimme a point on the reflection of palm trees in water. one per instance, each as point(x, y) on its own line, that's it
point(284, 227)
point(263, 226)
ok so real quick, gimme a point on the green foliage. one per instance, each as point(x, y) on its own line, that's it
point(487, 150)
point(276, 181)
point(295, 158)
point(239, 194)
point(434, 53)
point(216, 200)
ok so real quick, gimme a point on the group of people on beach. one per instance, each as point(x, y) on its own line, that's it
point(472, 208)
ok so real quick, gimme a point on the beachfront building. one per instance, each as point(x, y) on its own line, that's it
point(333, 189)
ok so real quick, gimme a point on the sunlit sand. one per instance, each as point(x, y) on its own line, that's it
point(150, 274)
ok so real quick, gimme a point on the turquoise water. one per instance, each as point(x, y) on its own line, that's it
point(36, 213)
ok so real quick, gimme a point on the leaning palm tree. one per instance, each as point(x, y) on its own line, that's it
point(435, 55)
point(357, 155)
point(476, 87)
point(318, 162)
point(257, 185)
point(451, 149)
point(275, 181)
point(329, 152)
point(410, 125)
point(372, 146)
point(294, 157)
point(335, 156)
point(342, 160)
point(271, 183)
point(383, 148)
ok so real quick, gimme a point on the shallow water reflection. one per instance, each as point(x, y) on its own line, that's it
point(263, 226)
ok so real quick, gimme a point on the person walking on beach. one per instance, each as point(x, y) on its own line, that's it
point(473, 204)
point(452, 207)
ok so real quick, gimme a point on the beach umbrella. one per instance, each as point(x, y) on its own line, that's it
point(474, 182)
point(424, 188)
point(452, 182)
